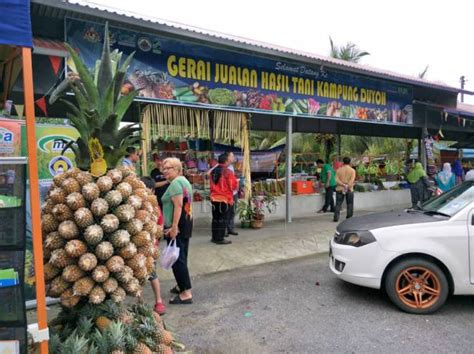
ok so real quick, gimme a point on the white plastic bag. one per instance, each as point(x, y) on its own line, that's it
point(170, 255)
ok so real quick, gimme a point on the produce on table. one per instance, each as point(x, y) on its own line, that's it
point(99, 231)
point(110, 328)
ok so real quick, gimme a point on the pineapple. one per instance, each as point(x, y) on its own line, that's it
point(99, 207)
point(104, 250)
point(68, 299)
point(132, 287)
point(115, 264)
point(152, 199)
point(116, 338)
point(141, 239)
point(83, 286)
point(54, 241)
point(148, 250)
point(75, 201)
point(151, 228)
point(128, 251)
point(110, 223)
point(148, 207)
point(125, 275)
point(97, 295)
point(90, 191)
point(50, 271)
point(126, 171)
point(47, 207)
point(134, 226)
point(93, 234)
point(83, 178)
point(68, 230)
point(83, 218)
point(59, 179)
point(49, 223)
point(73, 172)
point(150, 264)
point(118, 295)
point(75, 248)
point(141, 192)
point(70, 185)
point(124, 212)
point(158, 320)
point(143, 216)
point(120, 238)
point(136, 262)
point(87, 262)
point(58, 286)
point(72, 273)
point(164, 337)
point(115, 175)
point(126, 317)
point(57, 195)
point(62, 212)
point(102, 323)
point(100, 274)
point(114, 198)
point(59, 258)
point(142, 348)
point(135, 201)
point(105, 184)
point(163, 349)
point(141, 274)
point(110, 285)
point(125, 189)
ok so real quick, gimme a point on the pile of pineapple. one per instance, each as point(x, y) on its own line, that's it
point(99, 236)
point(110, 328)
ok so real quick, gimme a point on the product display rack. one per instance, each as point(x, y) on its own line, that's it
point(12, 250)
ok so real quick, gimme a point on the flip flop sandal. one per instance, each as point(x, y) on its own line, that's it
point(175, 290)
point(177, 301)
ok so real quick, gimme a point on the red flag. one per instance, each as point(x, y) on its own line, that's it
point(55, 63)
point(41, 103)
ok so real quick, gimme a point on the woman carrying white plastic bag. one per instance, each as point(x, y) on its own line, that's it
point(177, 211)
point(170, 255)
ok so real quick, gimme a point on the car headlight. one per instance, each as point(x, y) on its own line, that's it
point(354, 238)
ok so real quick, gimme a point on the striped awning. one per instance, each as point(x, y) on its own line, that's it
point(49, 47)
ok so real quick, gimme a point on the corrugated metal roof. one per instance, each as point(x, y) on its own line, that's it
point(61, 9)
point(49, 47)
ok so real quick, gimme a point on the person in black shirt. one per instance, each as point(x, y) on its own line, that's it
point(161, 184)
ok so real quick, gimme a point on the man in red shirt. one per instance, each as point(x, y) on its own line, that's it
point(223, 185)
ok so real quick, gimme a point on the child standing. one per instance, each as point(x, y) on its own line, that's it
point(160, 307)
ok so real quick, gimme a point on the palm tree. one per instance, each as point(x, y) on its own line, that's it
point(423, 73)
point(349, 52)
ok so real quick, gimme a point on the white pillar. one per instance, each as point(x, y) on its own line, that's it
point(289, 133)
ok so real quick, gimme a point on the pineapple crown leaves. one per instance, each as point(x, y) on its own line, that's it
point(54, 343)
point(115, 335)
point(84, 326)
point(74, 345)
point(99, 105)
point(100, 341)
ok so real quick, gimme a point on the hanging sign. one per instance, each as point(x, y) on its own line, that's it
point(166, 69)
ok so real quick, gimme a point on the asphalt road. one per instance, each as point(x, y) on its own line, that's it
point(300, 307)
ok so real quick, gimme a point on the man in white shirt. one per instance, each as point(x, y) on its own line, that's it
point(131, 158)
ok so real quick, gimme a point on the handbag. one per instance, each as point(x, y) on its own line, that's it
point(170, 255)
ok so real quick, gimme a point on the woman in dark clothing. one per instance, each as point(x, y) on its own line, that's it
point(458, 171)
point(418, 185)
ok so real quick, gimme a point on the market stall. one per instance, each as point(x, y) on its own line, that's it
point(16, 44)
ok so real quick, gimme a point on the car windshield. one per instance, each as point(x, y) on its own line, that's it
point(451, 202)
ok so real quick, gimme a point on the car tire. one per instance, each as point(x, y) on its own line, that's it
point(417, 286)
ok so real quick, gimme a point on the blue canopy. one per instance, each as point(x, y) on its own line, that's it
point(15, 25)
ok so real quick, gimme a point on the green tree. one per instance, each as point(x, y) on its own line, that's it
point(348, 52)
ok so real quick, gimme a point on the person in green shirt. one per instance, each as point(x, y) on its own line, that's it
point(178, 222)
point(328, 178)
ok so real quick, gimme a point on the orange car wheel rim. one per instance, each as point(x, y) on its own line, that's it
point(418, 287)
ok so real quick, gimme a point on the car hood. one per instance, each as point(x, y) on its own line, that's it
point(385, 219)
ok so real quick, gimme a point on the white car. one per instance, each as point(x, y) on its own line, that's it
point(418, 257)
